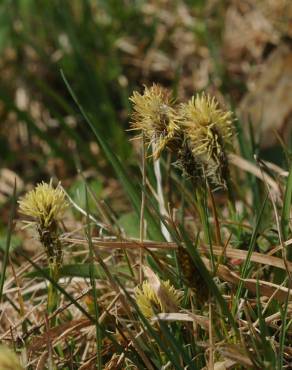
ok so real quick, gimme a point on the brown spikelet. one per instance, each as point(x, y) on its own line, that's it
point(192, 277)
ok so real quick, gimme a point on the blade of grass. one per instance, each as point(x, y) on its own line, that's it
point(284, 328)
point(246, 265)
point(93, 285)
point(264, 329)
point(8, 240)
point(285, 219)
point(153, 228)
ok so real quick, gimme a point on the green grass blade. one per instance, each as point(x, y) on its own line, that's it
point(245, 268)
point(131, 190)
point(264, 330)
point(93, 285)
point(8, 240)
point(284, 328)
point(285, 219)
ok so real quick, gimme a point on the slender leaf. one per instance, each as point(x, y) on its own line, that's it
point(8, 241)
point(131, 190)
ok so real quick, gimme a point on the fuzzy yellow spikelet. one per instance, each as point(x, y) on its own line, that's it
point(8, 359)
point(209, 130)
point(150, 303)
point(44, 204)
point(154, 115)
point(203, 120)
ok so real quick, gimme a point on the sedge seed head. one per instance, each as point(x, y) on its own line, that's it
point(44, 205)
point(8, 359)
point(154, 115)
point(150, 303)
point(204, 121)
point(209, 131)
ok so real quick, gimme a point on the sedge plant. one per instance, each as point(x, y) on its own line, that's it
point(45, 206)
point(199, 135)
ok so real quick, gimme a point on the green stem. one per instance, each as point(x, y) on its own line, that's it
point(53, 294)
point(202, 209)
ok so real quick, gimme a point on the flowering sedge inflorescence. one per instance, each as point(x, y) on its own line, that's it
point(45, 206)
point(155, 116)
point(209, 130)
point(149, 301)
point(198, 131)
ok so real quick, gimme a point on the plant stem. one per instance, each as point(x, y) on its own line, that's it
point(53, 294)
point(202, 209)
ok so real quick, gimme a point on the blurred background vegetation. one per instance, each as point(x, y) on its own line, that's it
point(239, 51)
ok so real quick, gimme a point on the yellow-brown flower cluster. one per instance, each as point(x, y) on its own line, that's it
point(209, 130)
point(44, 205)
point(149, 301)
point(198, 131)
point(154, 115)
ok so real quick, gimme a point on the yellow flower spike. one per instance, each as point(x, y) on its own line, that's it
point(209, 130)
point(9, 359)
point(44, 204)
point(150, 303)
point(154, 115)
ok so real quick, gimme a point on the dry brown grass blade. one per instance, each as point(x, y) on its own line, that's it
point(278, 170)
point(266, 288)
point(126, 244)
point(41, 364)
point(39, 342)
point(20, 271)
point(235, 353)
point(264, 259)
point(254, 170)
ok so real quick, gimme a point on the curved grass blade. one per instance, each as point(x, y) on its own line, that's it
point(246, 265)
point(8, 240)
point(93, 285)
point(134, 196)
point(285, 219)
